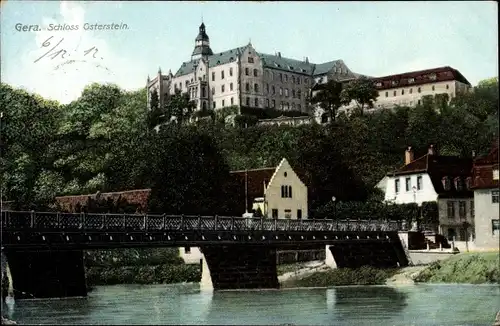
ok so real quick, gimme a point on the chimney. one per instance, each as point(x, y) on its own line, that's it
point(408, 155)
point(432, 150)
point(307, 59)
point(279, 54)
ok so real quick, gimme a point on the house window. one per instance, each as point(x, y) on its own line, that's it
point(232, 101)
point(433, 88)
point(247, 72)
point(386, 94)
point(495, 227)
point(256, 102)
point(396, 185)
point(247, 87)
point(230, 71)
point(281, 91)
point(411, 90)
point(402, 92)
point(281, 77)
point(451, 234)
point(472, 213)
point(394, 93)
point(274, 213)
point(419, 182)
point(446, 183)
point(451, 209)
point(213, 104)
point(494, 196)
point(256, 88)
point(299, 214)
point(213, 76)
point(288, 213)
point(293, 93)
point(272, 75)
point(419, 90)
point(255, 72)
point(299, 94)
point(248, 101)
point(286, 92)
point(250, 59)
point(461, 209)
point(273, 104)
point(187, 250)
point(286, 78)
point(286, 191)
point(267, 103)
point(418, 102)
point(231, 86)
point(267, 88)
point(222, 74)
point(223, 103)
point(222, 89)
point(204, 92)
point(274, 90)
point(495, 174)
point(447, 86)
point(408, 184)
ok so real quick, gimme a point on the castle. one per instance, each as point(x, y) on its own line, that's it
point(245, 78)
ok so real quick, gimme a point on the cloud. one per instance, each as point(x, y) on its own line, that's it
point(63, 78)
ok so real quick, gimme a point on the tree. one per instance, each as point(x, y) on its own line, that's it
point(329, 97)
point(362, 91)
point(179, 106)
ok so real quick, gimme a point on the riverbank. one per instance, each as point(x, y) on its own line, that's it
point(472, 268)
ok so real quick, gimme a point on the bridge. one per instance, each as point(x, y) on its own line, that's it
point(238, 252)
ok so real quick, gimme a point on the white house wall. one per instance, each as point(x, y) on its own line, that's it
point(485, 211)
point(456, 222)
point(427, 193)
point(299, 193)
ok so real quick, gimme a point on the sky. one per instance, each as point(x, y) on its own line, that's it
point(372, 38)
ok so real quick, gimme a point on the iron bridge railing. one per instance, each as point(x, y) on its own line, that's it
point(15, 220)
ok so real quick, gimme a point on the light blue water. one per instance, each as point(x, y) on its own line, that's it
point(185, 304)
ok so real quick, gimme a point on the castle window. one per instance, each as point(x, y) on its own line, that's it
point(299, 93)
point(286, 92)
point(255, 73)
point(247, 72)
point(256, 102)
point(274, 90)
point(293, 79)
point(394, 93)
point(293, 93)
point(298, 80)
point(281, 91)
point(447, 86)
point(247, 87)
point(204, 106)
point(402, 92)
point(231, 86)
point(213, 90)
point(223, 103)
point(213, 76)
point(187, 83)
point(230, 71)
point(273, 104)
point(300, 107)
point(222, 74)
point(204, 92)
point(272, 75)
point(222, 89)
point(411, 90)
point(419, 90)
point(433, 88)
point(250, 59)
point(213, 104)
point(232, 101)
point(256, 87)
point(267, 88)
point(248, 101)
point(267, 103)
point(293, 106)
point(386, 94)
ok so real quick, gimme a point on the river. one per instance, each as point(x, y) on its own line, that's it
point(421, 304)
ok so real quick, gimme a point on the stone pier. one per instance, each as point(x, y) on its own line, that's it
point(47, 274)
point(239, 267)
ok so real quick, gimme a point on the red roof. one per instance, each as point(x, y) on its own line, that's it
point(420, 77)
point(482, 172)
point(137, 197)
point(439, 168)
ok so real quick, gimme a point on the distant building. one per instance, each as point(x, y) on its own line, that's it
point(442, 179)
point(407, 89)
point(276, 192)
point(486, 199)
point(245, 78)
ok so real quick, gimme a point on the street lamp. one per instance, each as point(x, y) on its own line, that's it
point(334, 207)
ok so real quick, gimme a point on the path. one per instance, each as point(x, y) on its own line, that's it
point(405, 276)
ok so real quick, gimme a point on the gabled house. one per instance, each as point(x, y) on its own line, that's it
point(276, 192)
point(433, 177)
point(486, 198)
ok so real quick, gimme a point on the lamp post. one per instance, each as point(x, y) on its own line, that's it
point(334, 200)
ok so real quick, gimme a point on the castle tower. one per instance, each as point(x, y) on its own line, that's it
point(202, 44)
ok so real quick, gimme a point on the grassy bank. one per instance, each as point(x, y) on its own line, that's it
point(138, 266)
point(472, 268)
point(365, 275)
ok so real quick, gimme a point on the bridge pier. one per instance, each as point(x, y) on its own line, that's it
point(47, 274)
point(239, 267)
point(329, 259)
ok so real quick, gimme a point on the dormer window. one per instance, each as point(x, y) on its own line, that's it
point(379, 84)
point(446, 183)
point(459, 184)
point(394, 83)
point(495, 173)
point(468, 183)
point(432, 77)
point(411, 80)
point(250, 59)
